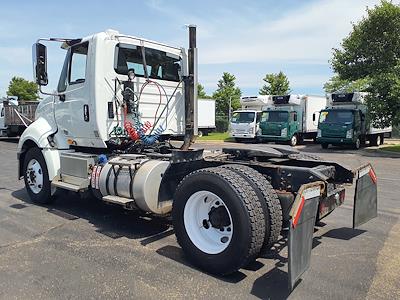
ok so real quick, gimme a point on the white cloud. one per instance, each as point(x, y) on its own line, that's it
point(304, 34)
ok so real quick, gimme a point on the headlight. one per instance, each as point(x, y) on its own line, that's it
point(319, 133)
point(251, 130)
point(284, 132)
point(349, 134)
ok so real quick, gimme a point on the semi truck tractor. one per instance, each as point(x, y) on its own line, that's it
point(16, 116)
point(345, 121)
point(205, 116)
point(107, 129)
point(291, 118)
point(244, 123)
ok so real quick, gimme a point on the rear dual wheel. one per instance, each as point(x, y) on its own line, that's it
point(218, 220)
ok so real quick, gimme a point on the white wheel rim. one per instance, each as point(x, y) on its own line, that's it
point(378, 140)
point(34, 176)
point(196, 217)
point(358, 143)
point(294, 140)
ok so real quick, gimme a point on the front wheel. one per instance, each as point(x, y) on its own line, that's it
point(294, 140)
point(324, 145)
point(218, 220)
point(357, 144)
point(36, 177)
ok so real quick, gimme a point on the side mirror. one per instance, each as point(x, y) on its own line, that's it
point(39, 56)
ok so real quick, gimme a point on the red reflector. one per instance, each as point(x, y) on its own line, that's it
point(372, 175)
point(298, 213)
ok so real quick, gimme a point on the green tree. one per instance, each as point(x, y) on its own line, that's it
point(24, 89)
point(337, 84)
point(372, 52)
point(201, 93)
point(275, 84)
point(225, 93)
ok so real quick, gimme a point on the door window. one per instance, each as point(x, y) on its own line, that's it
point(293, 116)
point(77, 71)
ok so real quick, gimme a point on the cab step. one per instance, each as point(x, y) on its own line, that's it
point(125, 202)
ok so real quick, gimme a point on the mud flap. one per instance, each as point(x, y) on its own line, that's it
point(365, 196)
point(303, 215)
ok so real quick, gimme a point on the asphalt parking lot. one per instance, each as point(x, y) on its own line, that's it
point(81, 248)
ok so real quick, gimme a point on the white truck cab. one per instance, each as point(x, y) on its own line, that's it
point(244, 123)
point(106, 130)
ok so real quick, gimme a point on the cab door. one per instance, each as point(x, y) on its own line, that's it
point(2, 113)
point(293, 124)
point(72, 106)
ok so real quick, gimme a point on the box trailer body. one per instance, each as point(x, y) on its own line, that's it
point(345, 121)
point(16, 116)
point(291, 118)
point(244, 123)
point(205, 116)
point(106, 132)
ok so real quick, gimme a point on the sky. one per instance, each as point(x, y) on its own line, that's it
point(246, 38)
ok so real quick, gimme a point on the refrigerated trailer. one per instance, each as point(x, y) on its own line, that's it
point(346, 121)
point(291, 118)
point(106, 131)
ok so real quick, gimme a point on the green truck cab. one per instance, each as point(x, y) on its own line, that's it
point(280, 125)
point(291, 119)
point(345, 121)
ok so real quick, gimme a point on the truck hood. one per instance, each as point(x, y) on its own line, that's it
point(241, 127)
point(334, 129)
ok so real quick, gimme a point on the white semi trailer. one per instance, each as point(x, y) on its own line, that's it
point(244, 123)
point(105, 131)
point(205, 116)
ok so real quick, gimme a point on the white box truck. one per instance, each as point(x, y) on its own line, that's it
point(291, 118)
point(205, 116)
point(244, 123)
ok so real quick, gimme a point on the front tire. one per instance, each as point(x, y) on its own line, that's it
point(357, 144)
point(294, 140)
point(218, 220)
point(36, 177)
point(324, 145)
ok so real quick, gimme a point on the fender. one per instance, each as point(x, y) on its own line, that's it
point(36, 135)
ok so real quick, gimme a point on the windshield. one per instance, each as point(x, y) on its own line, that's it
point(160, 64)
point(275, 116)
point(336, 116)
point(243, 117)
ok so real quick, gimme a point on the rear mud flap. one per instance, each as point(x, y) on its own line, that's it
point(303, 215)
point(365, 196)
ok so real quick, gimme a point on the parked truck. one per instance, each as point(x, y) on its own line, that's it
point(106, 131)
point(291, 118)
point(244, 123)
point(345, 121)
point(205, 116)
point(16, 116)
